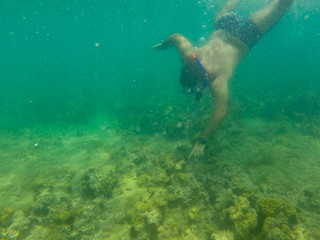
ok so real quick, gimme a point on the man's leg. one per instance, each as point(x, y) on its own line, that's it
point(265, 18)
point(227, 8)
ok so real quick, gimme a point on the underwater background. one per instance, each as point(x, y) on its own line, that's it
point(95, 131)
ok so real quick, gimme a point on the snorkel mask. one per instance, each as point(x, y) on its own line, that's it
point(194, 78)
point(196, 90)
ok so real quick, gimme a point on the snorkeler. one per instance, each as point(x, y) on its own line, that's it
point(214, 64)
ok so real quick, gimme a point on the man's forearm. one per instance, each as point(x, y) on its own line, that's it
point(172, 40)
point(214, 124)
point(219, 88)
point(183, 46)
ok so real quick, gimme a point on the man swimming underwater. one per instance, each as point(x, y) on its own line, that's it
point(214, 64)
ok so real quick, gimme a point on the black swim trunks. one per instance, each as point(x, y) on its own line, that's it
point(243, 29)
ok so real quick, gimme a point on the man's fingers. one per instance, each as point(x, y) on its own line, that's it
point(158, 46)
point(194, 153)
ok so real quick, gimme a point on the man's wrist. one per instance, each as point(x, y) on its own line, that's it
point(202, 140)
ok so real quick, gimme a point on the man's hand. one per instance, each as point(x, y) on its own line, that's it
point(171, 41)
point(160, 46)
point(197, 150)
point(168, 43)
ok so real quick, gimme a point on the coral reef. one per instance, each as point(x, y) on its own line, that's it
point(94, 185)
point(141, 192)
point(243, 218)
point(14, 224)
point(162, 199)
point(5, 216)
point(277, 219)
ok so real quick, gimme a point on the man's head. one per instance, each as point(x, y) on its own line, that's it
point(191, 79)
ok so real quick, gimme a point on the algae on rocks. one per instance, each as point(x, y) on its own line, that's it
point(94, 184)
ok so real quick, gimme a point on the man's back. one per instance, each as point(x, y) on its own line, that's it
point(222, 54)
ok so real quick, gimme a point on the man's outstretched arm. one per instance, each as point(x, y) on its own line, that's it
point(182, 44)
point(219, 88)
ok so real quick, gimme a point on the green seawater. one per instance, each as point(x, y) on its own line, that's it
point(95, 131)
